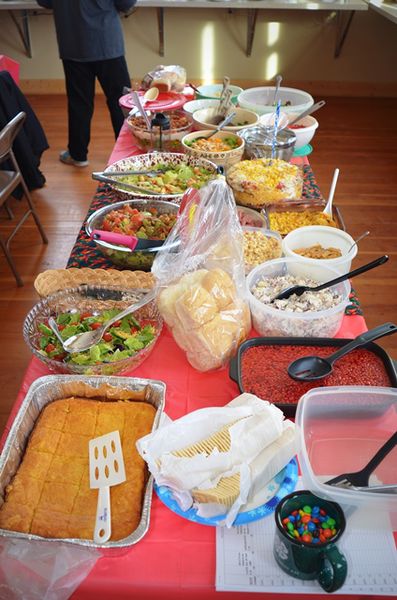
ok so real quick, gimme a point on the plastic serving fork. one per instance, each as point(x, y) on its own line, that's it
point(361, 478)
point(106, 469)
point(83, 341)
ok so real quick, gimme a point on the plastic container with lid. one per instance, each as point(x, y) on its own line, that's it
point(271, 321)
point(339, 430)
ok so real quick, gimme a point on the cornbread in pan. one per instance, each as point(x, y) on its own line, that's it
point(50, 494)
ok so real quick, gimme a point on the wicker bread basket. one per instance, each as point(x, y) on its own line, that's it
point(52, 280)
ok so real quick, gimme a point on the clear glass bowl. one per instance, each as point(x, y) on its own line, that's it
point(121, 255)
point(166, 140)
point(86, 298)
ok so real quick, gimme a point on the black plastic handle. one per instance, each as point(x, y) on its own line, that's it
point(364, 338)
point(375, 263)
point(381, 454)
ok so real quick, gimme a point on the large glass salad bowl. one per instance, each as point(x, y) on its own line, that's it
point(124, 346)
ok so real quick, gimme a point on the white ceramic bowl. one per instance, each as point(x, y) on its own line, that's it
point(214, 90)
point(193, 105)
point(269, 321)
point(260, 100)
point(304, 130)
point(243, 119)
point(305, 237)
point(225, 158)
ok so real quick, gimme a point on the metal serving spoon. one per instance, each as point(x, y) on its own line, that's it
point(363, 235)
point(278, 83)
point(307, 112)
point(311, 368)
point(298, 290)
point(221, 125)
point(83, 341)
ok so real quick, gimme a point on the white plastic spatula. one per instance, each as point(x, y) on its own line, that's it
point(106, 469)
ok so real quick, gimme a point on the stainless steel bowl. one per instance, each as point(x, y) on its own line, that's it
point(259, 143)
point(121, 255)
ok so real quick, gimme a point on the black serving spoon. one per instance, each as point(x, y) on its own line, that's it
point(298, 290)
point(311, 368)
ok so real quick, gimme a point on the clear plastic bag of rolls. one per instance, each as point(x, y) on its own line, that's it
point(200, 279)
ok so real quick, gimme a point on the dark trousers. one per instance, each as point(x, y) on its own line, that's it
point(80, 78)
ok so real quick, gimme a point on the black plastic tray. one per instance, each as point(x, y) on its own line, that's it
point(290, 409)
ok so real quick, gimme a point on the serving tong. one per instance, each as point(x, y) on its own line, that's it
point(359, 480)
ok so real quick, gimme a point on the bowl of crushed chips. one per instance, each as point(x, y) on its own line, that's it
point(222, 148)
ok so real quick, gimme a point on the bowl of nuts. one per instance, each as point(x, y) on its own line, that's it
point(315, 244)
point(260, 245)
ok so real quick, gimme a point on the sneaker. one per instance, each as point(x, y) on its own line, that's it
point(68, 160)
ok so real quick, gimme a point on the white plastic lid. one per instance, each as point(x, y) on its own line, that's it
point(338, 431)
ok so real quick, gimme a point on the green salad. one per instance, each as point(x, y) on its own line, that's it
point(175, 179)
point(122, 340)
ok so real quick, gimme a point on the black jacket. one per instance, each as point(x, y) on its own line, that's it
point(31, 141)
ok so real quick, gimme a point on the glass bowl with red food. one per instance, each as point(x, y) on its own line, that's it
point(143, 219)
point(158, 138)
point(124, 345)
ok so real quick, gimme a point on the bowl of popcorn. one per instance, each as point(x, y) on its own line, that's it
point(313, 314)
point(260, 245)
point(223, 148)
point(316, 244)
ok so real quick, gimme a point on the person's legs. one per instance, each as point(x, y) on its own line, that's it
point(80, 89)
point(113, 77)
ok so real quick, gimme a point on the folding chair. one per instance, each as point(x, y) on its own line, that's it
point(9, 180)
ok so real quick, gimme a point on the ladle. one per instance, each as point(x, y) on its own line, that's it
point(278, 83)
point(225, 122)
point(363, 235)
point(307, 112)
point(328, 207)
point(311, 368)
point(298, 290)
point(138, 103)
point(83, 341)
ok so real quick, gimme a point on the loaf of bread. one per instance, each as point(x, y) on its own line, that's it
point(207, 318)
point(50, 494)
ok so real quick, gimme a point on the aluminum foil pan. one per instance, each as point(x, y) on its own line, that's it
point(47, 389)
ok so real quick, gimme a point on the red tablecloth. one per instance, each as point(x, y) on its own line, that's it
point(176, 558)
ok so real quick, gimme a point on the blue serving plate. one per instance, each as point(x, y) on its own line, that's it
point(262, 505)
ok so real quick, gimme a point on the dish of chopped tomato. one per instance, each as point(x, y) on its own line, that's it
point(148, 224)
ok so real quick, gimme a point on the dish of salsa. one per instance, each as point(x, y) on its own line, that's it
point(148, 224)
point(263, 371)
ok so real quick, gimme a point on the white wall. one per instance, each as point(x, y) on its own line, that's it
point(302, 47)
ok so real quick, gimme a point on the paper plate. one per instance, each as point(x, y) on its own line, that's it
point(263, 504)
point(165, 101)
point(304, 151)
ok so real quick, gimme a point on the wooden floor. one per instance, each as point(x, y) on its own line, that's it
point(357, 135)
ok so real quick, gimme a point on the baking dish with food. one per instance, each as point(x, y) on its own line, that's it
point(287, 215)
point(47, 389)
point(270, 357)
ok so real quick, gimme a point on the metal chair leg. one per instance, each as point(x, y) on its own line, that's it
point(33, 211)
point(11, 263)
